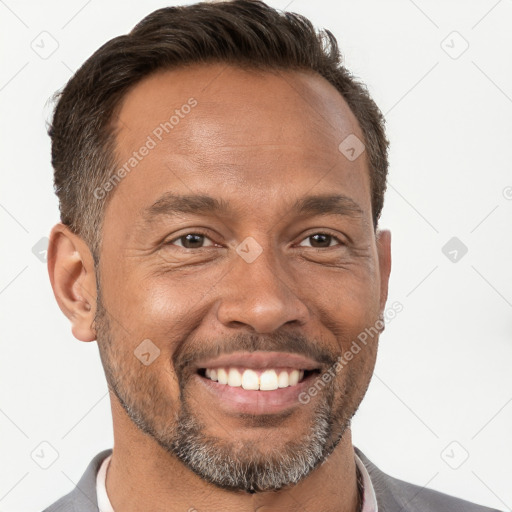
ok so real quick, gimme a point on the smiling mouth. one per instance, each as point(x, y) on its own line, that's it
point(256, 379)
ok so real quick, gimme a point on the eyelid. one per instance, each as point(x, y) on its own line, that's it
point(324, 232)
point(196, 231)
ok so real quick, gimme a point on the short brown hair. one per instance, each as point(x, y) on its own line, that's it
point(244, 33)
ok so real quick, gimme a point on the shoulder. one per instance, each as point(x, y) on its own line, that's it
point(83, 497)
point(395, 495)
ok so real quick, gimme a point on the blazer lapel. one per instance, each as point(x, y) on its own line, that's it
point(388, 494)
point(83, 497)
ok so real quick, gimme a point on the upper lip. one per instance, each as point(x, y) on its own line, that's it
point(260, 360)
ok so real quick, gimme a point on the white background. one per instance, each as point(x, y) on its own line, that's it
point(443, 372)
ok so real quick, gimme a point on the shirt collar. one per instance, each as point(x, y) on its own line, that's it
point(369, 498)
point(104, 504)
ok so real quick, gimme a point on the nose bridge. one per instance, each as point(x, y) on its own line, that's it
point(257, 293)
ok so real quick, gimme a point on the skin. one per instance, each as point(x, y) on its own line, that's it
point(259, 141)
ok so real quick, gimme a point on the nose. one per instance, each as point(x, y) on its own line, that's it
point(261, 296)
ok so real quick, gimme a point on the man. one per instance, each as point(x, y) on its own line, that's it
point(220, 177)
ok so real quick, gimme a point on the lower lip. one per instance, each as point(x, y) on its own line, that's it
point(242, 401)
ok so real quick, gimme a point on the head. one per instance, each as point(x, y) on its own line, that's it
point(220, 177)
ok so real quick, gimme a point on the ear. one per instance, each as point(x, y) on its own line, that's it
point(384, 253)
point(73, 279)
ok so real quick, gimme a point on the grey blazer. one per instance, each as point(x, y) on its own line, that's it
point(393, 495)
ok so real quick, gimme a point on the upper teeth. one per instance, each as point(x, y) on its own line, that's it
point(264, 380)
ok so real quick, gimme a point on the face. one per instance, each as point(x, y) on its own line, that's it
point(238, 263)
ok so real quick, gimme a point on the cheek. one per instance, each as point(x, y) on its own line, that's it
point(347, 301)
point(167, 305)
point(141, 303)
point(140, 368)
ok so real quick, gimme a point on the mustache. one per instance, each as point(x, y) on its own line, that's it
point(294, 343)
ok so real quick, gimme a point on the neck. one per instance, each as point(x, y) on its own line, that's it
point(143, 476)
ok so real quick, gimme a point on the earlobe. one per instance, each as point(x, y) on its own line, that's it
point(384, 252)
point(73, 280)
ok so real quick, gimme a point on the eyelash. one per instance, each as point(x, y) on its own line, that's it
point(205, 234)
point(335, 237)
point(194, 232)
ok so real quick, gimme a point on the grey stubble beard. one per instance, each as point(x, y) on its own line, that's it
point(222, 463)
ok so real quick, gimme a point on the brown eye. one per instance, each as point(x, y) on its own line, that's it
point(191, 241)
point(321, 240)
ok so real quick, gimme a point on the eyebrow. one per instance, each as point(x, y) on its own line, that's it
point(175, 204)
point(333, 204)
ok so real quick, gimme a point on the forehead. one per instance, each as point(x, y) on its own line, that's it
point(256, 136)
